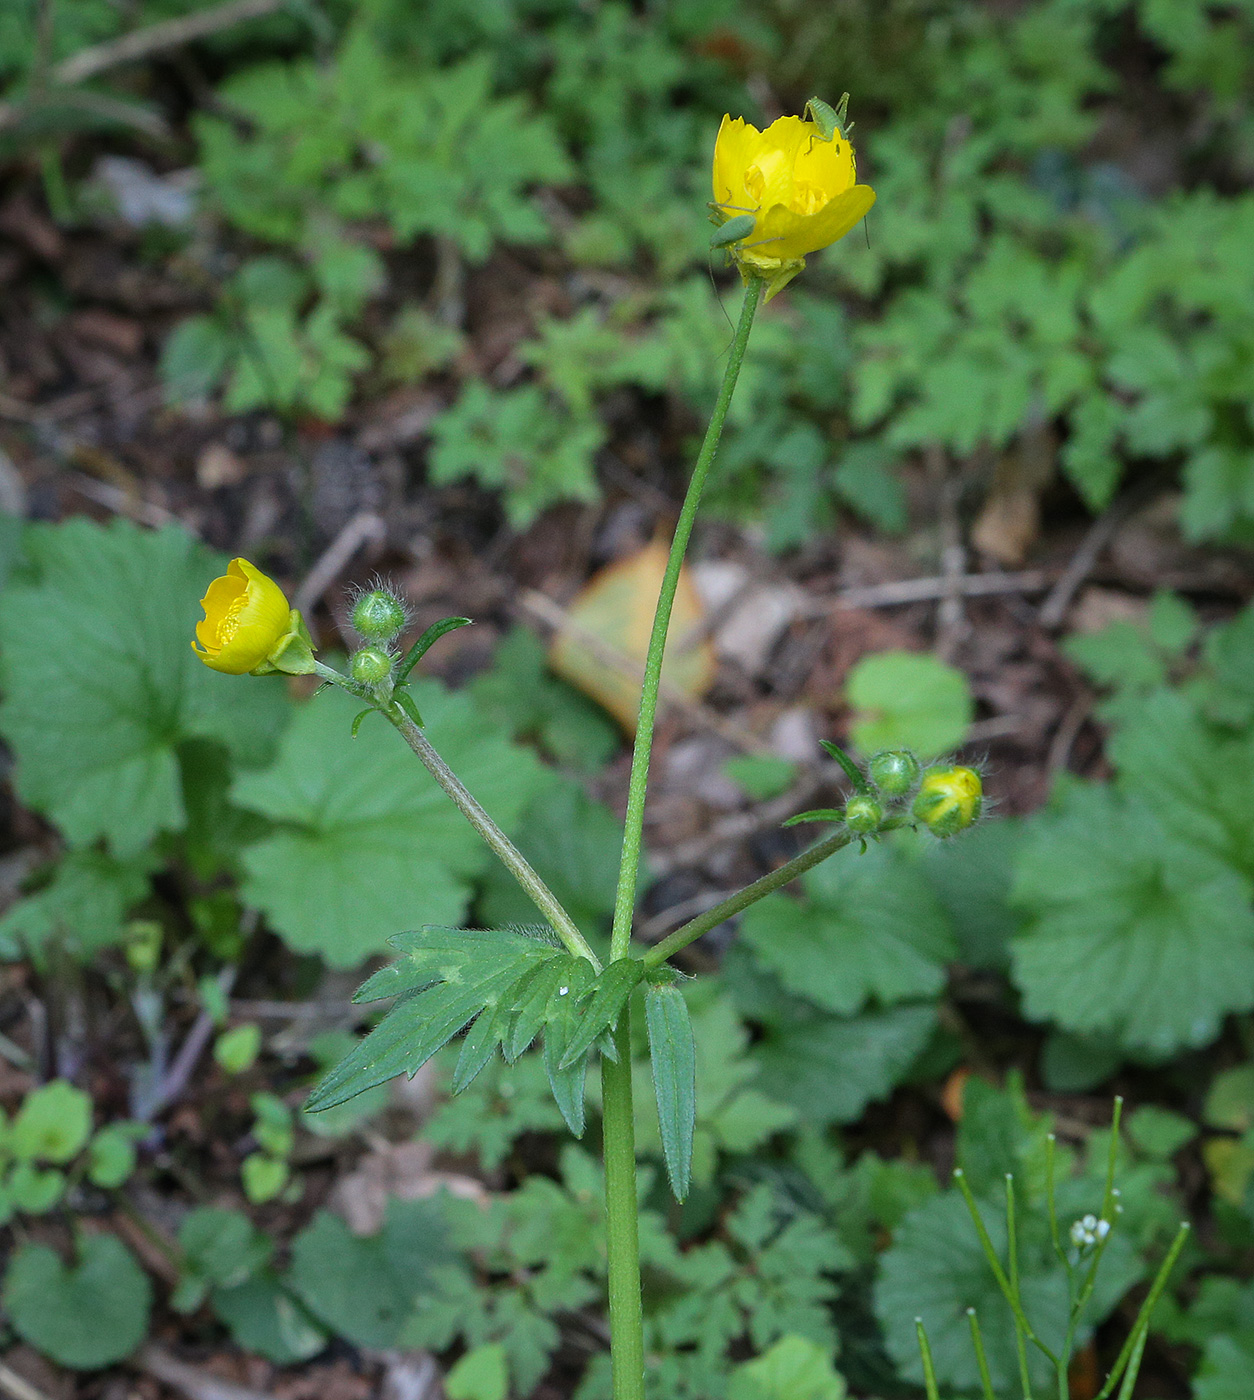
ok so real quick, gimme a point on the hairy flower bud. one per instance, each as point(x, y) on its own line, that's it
point(379, 615)
point(949, 800)
point(863, 814)
point(370, 665)
point(893, 771)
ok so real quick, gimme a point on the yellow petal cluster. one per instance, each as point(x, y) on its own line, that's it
point(800, 188)
point(246, 616)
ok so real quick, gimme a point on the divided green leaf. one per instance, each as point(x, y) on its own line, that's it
point(443, 979)
point(868, 928)
point(1130, 929)
point(366, 843)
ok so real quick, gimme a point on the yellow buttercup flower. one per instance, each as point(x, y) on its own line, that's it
point(246, 617)
point(799, 188)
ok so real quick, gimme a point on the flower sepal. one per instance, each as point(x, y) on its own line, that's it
point(293, 653)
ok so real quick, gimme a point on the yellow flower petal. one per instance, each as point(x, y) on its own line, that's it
point(246, 615)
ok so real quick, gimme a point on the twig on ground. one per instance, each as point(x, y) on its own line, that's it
point(156, 38)
point(951, 617)
point(121, 502)
point(670, 918)
point(18, 1387)
point(191, 1381)
point(1083, 561)
point(365, 526)
point(20, 412)
point(263, 1010)
point(924, 590)
point(1067, 733)
point(995, 727)
point(171, 1085)
point(739, 825)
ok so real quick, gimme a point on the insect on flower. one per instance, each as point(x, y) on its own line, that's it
point(782, 193)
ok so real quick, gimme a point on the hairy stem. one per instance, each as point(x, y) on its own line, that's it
point(625, 901)
point(509, 855)
point(742, 899)
point(622, 1227)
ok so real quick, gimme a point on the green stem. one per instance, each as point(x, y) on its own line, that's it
point(742, 899)
point(509, 855)
point(625, 901)
point(622, 1228)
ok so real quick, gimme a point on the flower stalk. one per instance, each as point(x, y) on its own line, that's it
point(779, 194)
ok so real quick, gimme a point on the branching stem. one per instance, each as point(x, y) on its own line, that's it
point(509, 855)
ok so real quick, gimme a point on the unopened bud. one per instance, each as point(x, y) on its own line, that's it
point(143, 944)
point(863, 814)
point(370, 665)
point(1088, 1231)
point(893, 771)
point(949, 800)
point(379, 615)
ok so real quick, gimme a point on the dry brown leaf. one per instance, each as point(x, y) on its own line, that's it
point(1010, 521)
point(602, 647)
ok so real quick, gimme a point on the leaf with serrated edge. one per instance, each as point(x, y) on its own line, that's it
point(483, 1037)
point(479, 1046)
point(561, 1022)
point(603, 1009)
point(434, 954)
point(417, 1026)
point(534, 1007)
point(674, 1055)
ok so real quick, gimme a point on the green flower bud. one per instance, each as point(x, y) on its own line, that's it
point(894, 772)
point(370, 665)
point(143, 944)
point(863, 814)
point(949, 800)
point(379, 615)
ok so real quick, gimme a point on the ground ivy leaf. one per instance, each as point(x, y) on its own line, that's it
point(363, 1288)
point(369, 844)
point(264, 1317)
point(99, 695)
point(86, 1316)
point(1131, 930)
point(869, 927)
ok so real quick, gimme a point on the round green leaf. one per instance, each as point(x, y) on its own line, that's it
point(86, 1316)
point(908, 700)
point(236, 1050)
point(53, 1124)
point(482, 1374)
